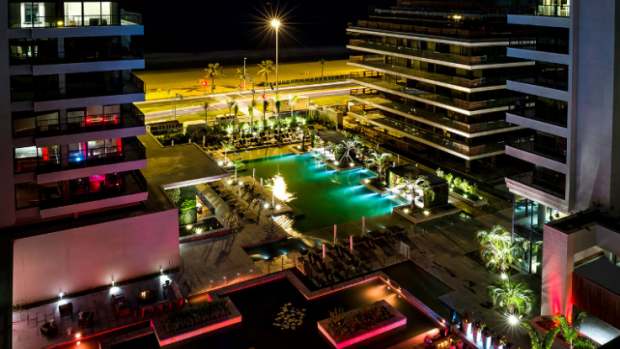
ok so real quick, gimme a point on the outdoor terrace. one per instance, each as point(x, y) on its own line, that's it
point(556, 117)
point(540, 181)
point(83, 56)
point(460, 61)
point(375, 80)
point(458, 149)
point(46, 16)
point(454, 82)
point(530, 145)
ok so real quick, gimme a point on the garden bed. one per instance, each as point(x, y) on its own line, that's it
point(178, 326)
point(365, 327)
point(475, 256)
point(545, 324)
point(202, 227)
point(344, 166)
point(474, 200)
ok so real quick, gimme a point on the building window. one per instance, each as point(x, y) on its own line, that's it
point(93, 150)
point(26, 195)
point(31, 14)
point(29, 159)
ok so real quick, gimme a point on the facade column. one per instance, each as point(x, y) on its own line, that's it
point(467, 166)
point(61, 47)
point(542, 215)
point(557, 272)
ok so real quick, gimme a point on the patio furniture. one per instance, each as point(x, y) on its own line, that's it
point(121, 309)
point(86, 319)
point(117, 298)
point(66, 310)
point(49, 329)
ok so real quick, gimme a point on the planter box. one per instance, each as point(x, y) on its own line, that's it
point(366, 333)
point(373, 188)
point(168, 338)
point(479, 203)
point(534, 323)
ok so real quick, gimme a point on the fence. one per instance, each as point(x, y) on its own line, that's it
point(314, 78)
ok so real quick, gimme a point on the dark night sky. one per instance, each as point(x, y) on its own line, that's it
point(219, 26)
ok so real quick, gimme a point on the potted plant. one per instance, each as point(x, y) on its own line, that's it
point(467, 322)
point(477, 331)
point(486, 337)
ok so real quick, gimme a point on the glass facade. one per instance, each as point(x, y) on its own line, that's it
point(529, 218)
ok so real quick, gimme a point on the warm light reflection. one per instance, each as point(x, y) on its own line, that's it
point(279, 189)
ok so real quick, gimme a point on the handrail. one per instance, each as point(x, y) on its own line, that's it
point(94, 55)
point(536, 113)
point(530, 145)
point(539, 181)
point(62, 21)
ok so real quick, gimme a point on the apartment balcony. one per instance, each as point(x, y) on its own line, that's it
point(127, 155)
point(370, 97)
point(529, 144)
point(538, 181)
point(552, 121)
point(77, 96)
point(458, 149)
point(452, 60)
point(77, 61)
point(453, 82)
point(91, 194)
point(375, 80)
point(540, 10)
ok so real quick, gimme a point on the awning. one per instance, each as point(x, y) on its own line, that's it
point(331, 136)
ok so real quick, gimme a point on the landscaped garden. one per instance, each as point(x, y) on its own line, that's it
point(194, 316)
point(462, 189)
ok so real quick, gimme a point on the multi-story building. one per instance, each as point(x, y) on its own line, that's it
point(435, 84)
point(570, 150)
point(73, 209)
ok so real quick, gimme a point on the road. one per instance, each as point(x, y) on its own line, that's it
point(244, 98)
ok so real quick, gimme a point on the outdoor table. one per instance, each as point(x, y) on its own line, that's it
point(86, 319)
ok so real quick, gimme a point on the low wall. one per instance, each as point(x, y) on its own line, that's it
point(78, 259)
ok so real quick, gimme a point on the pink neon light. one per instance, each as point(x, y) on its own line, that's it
point(363, 336)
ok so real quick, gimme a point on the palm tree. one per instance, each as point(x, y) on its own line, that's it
point(379, 160)
point(291, 102)
point(238, 163)
point(266, 69)
point(251, 108)
point(227, 146)
point(215, 70)
point(205, 105)
point(514, 297)
point(570, 331)
point(349, 145)
point(495, 235)
point(541, 342)
point(412, 183)
point(265, 109)
point(322, 62)
point(500, 255)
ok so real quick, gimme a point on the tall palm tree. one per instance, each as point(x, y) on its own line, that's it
point(322, 61)
point(541, 342)
point(412, 183)
point(379, 160)
point(266, 69)
point(348, 145)
point(215, 70)
point(232, 106)
point(570, 331)
point(251, 108)
point(515, 298)
point(238, 163)
point(291, 102)
point(495, 235)
point(205, 106)
point(265, 109)
point(227, 146)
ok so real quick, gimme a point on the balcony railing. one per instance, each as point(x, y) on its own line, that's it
point(90, 123)
point(529, 144)
point(62, 21)
point(375, 78)
point(441, 78)
point(440, 142)
point(557, 79)
point(539, 181)
point(95, 55)
point(558, 118)
point(437, 56)
point(79, 191)
point(130, 150)
point(552, 45)
point(134, 85)
point(540, 10)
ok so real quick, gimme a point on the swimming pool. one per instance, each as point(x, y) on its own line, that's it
point(325, 196)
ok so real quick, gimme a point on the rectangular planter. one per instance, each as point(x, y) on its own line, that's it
point(168, 338)
point(373, 188)
point(366, 333)
point(479, 203)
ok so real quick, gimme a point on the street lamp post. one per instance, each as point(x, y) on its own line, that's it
point(276, 24)
point(244, 74)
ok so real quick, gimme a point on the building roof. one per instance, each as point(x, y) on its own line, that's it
point(602, 272)
point(404, 170)
point(331, 136)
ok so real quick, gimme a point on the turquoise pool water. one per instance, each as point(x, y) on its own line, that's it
point(324, 195)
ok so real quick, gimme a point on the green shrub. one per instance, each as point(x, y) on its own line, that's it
point(457, 182)
point(345, 324)
point(195, 315)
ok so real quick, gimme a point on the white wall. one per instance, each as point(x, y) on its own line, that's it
point(78, 259)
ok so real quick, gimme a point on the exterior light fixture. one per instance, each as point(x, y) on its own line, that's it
point(513, 320)
point(278, 207)
point(61, 294)
point(336, 163)
point(161, 271)
point(188, 227)
point(275, 23)
point(230, 181)
point(266, 206)
point(426, 213)
point(78, 335)
point(367, 181)
point(299, 147)
point(351, 164)
point(240, 183)
point(504, 276)
point(406, 210)
point(220, 163)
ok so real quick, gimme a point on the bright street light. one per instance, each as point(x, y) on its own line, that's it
point(275, 23)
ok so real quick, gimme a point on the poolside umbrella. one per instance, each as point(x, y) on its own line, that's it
point(323, 251)
point(335, 228)
point(351, 242)
point(254, 174)
point(363, 224)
